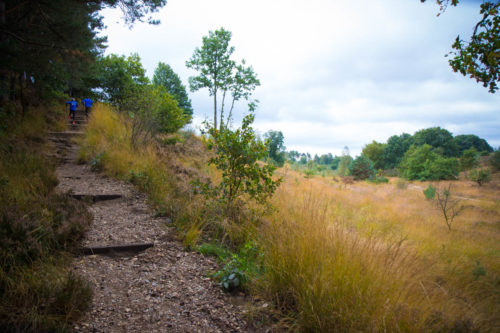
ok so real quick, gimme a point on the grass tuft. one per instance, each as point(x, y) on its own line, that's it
point(37, 292)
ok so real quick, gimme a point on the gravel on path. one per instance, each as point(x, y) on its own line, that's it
point(162, 289)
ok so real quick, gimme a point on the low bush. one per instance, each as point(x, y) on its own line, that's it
point(480, 176)
point(378, 179)
point(495, 160)
point(430, 192)
point(240, 267)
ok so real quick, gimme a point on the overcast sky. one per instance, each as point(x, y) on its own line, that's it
point(333, 73)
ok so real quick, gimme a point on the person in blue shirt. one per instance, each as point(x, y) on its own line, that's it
point(87, 102)
point(73, 104)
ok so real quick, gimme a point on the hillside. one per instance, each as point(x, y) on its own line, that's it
point(360, 251)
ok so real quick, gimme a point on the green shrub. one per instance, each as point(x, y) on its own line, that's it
point(172, 140)
point(391, 173)
point(362, 168)
point(480, 176)
point(495, 160)
point(446, 168)
point(237, 154)
point(469, 159)
point(423, 163)
point(308, 173)
point(240, 267)
point(378, 179)
point(430, 192)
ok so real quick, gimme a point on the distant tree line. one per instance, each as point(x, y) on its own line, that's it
point(429, 154)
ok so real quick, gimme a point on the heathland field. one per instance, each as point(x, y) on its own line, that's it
point(377, 256)
point(327, 256)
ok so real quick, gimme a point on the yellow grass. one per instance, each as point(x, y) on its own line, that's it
point(335, 253)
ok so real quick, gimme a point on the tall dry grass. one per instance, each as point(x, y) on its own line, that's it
point(374, 257)
point(107, 146)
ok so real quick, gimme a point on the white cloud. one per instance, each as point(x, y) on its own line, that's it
point(333, 73)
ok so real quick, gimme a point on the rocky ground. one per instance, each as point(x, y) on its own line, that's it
point(161, 289)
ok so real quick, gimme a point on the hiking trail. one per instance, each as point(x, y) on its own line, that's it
point(160, 289)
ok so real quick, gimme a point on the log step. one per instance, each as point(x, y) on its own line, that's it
point(96, 197)
point(65, 134)
point(115, 249)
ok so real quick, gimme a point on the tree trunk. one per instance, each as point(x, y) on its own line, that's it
point(230, 113)
point(215, 109)
point(222, 110)
point(21, 94)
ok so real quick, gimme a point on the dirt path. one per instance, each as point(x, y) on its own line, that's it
point(162, 289)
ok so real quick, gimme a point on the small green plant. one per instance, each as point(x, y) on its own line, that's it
point(430, 192)
point(240, 267)
point(141, 179)
point(170, 140)
point(212, 249)
point(478, 270)
point(97, 163)
point(308, 173)
point(480, 176)
point(232, 281)
point(378, 180)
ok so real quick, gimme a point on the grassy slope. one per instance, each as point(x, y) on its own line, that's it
point(37, 290)
point(363, 258)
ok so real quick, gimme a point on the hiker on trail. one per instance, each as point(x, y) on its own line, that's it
point(72, 109)
point(87, 102)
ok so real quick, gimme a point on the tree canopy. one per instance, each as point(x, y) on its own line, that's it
point(52, 45)
point(120, 75)
point(396, 147)
point(220, 74)
point(375, 152)
point(361, 168)
point(424, 163)
point(478, 58)
point(467, 141)
point(166, 77)
point(275, 146)
point(437, 137)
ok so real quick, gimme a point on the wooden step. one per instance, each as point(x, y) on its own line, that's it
point(115, 249)
point(65, 134)
point(96, 197)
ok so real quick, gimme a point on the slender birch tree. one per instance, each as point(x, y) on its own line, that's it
point(221, 75)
